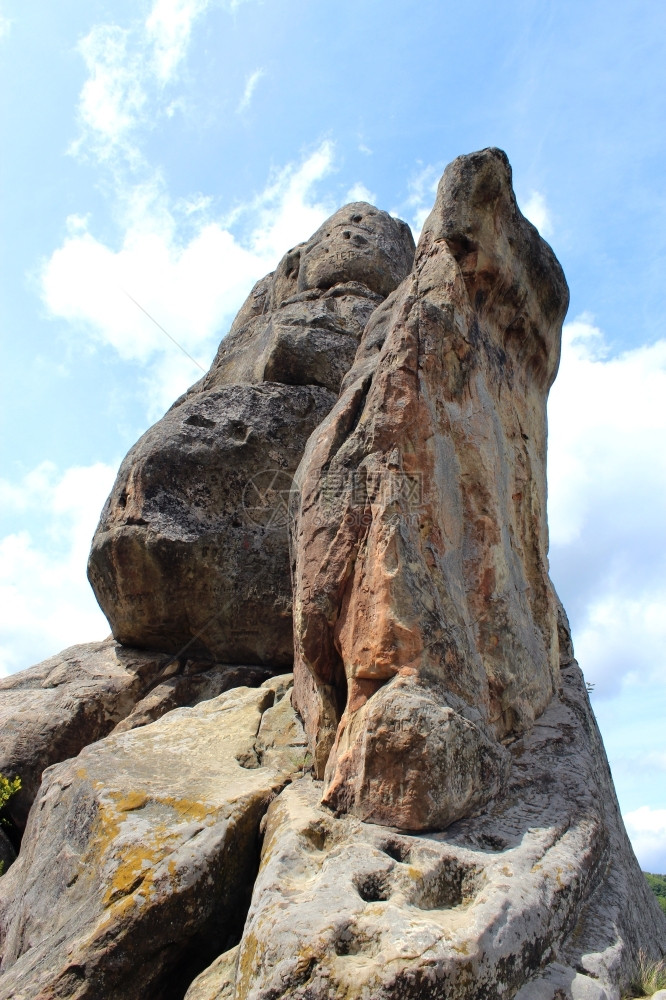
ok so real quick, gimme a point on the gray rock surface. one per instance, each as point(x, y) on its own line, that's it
point(301, 324)
point(192, 550)
point(139, 857)
point(538, 896)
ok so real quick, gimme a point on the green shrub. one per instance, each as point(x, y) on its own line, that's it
point(8, 787)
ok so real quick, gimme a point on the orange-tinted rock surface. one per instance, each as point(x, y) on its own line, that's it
point(425, 620)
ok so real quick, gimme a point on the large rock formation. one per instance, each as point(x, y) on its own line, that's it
point(425, 621)
point(465, 843)
point(192, 549)
point(141, 853)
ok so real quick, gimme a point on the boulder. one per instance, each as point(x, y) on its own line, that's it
point(51, 711)
point(191, 551)
point(301, 324)
point(139, 857)
point(425, 620)
point(538, 896)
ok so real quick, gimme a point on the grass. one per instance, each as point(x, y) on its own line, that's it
point(648, 977)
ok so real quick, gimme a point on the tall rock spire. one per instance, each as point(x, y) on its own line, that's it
point(426, 623)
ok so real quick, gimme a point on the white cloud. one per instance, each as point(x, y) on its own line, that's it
point(128, 72)
point(284, 213)
point(647, 830)
point(250, 87)
point(607, 481)
point(186, 268)
point(113, 98)
point(359, 192)
point(192, 284)
point(422, 189)
point(536, 210)
point(169, 28)
point(46, 601)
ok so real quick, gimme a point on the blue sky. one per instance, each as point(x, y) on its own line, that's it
point(172, 150)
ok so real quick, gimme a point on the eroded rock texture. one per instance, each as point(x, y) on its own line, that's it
point(192, 548)
point(140, 854)
point(539, 893)
point(425, 621)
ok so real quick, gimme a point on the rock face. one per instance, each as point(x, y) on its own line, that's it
point(140, 855)
point(192, 548)
point(53, 710)
point(539, 893)
point(429, 812)
point(425, 621)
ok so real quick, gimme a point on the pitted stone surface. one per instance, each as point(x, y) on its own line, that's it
point(538, 896)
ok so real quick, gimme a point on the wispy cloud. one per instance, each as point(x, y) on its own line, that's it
point(359, 192)
point(113, 98)
point(250, 87)
point(190, 282)
point(421, 191)
point(128, 72)
point(169, 29)
point(536, 210)
point(47, 603)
